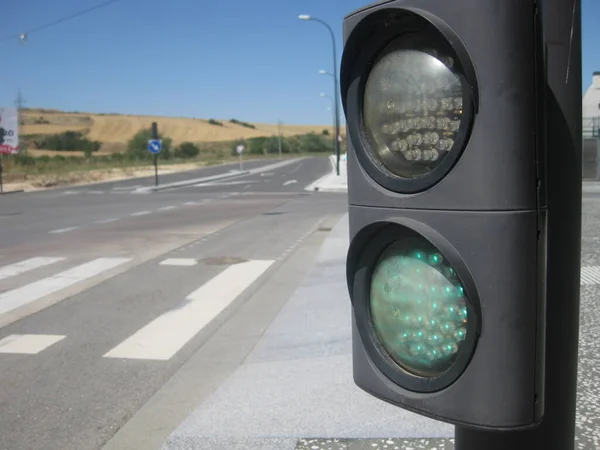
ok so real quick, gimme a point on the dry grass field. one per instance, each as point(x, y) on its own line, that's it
point(118, 129)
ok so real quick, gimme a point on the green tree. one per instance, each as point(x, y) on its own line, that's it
point(187, 150)
point(68, 141)
point(312, 142)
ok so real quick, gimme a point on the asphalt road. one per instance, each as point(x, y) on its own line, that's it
point(104, 296)
point(132, 183)
point(24, 217)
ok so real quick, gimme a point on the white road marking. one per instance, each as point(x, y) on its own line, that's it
point(179, 262)
point(590, 275)
point(63, 230)
point(167, 208)
point(191, 203)
point(28, 344)
point(226, 183)
point(26, 265)
point(95, 192)
point(112, 219)
point(127, 188)
point(141, 213)
point(167, 334)
point(290, 182)
point(34, 291)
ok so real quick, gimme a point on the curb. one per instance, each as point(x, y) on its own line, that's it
point(341, 189)
point(231, 174)
point(12, 192)
point(316, 185)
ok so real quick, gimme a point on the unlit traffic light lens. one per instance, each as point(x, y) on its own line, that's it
point(412, 110)
point(418, 308)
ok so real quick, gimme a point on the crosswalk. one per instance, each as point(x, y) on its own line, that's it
point(168, 333)
point(158, 340)
point(161, 337)
point(34, 291)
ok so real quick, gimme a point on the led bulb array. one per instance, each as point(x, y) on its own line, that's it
point(424, 129)
point(419, 308)
point(413, 111)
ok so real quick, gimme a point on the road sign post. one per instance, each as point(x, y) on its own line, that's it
point(240, 149)
point(154, 147)
point(465, 213)
point(2, 131)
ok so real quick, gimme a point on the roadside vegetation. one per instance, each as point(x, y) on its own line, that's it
point(73, 153)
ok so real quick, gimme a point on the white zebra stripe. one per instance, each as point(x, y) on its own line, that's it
point(590, 275)
point(26, 265)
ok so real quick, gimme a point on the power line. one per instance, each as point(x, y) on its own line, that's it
point(57, 21)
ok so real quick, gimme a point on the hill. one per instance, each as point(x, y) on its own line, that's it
point(114, 130)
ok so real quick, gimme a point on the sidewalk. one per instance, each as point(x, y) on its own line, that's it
point(590, 187)
point(295, 389)
point(332, 182)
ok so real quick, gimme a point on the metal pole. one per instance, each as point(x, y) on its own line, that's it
point(155, 156)
point(333, 116)
point(334, 137)
point(241, 163)
point(336, 97)
point(562, 30)
point(337, 106)
point(1, 174)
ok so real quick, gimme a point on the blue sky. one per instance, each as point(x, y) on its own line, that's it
point(250, 60)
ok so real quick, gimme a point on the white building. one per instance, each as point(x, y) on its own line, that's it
point(591, 107)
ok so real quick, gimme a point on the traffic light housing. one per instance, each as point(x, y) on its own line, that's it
point(447, 207)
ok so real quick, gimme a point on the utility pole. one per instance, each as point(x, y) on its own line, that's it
point(20, 104)
point(279, 126)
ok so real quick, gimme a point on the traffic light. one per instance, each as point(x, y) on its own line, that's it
point(446, 268)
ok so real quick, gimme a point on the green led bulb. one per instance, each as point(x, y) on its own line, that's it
point(435, 259)
point(418, 309)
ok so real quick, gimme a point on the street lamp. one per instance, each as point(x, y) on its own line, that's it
point(335, 88)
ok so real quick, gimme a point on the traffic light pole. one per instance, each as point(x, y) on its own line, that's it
point(562, 30)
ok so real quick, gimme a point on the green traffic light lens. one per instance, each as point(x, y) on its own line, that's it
point(418, 308)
